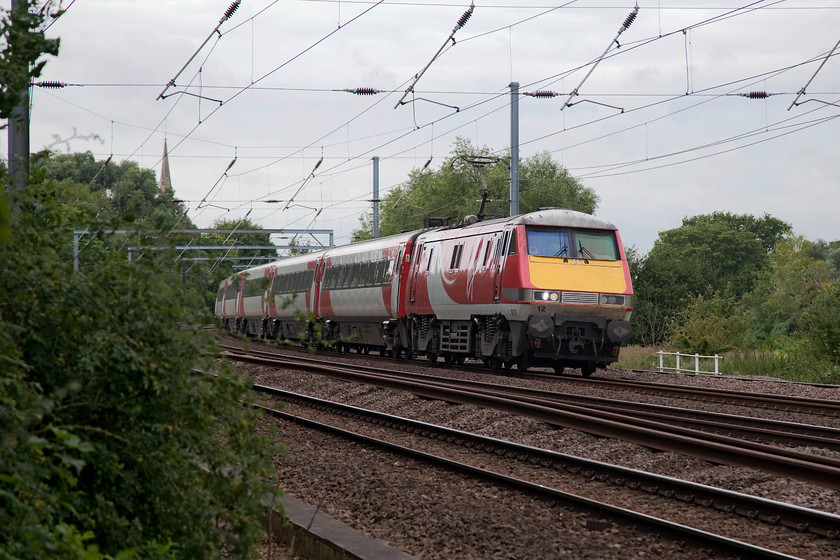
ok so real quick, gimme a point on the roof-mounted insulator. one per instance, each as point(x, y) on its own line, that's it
point(464, 18)
point(363, 91)
point(756, 95)
point(231, 9)
point(51, 85)
point(631, 18)
point(543, 93)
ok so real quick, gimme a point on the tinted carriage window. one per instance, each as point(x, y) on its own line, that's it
point(573, 243)
point(367, 274)
point(548, 243)
point(596, 245)
point(389, 266)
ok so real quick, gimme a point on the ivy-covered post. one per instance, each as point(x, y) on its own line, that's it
point(23, 43)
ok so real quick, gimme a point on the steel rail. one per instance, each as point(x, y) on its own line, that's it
point(795, 517)
point(786, 403)
point(739, 398)
point(704, 538)
point(761, 430)
point(778, 461)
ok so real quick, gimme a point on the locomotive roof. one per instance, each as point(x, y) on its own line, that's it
point(562, 217)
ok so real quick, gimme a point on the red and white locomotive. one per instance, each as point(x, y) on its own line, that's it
point(548, 288)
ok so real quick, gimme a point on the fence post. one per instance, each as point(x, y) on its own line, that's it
point(716, 365)
point(678, 362)
point(660, 361)
point(697, 363)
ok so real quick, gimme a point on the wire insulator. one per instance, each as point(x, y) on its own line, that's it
point(231, 9)
point(631, 18)
point(544, 93)
point(364, 91)
point(465, 17)
point(51, 85)
point(757, 95)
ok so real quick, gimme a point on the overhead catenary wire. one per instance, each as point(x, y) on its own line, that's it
point(729, 14)
point(461, 22)
point(389, 137)
point(628, 21)
point(817, 71)
point(227, 15)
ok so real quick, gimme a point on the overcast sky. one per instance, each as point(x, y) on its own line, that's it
point(658, 130)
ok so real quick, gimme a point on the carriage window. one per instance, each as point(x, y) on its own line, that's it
point(371, 276)
point(548, 243)
point(456, 256)
point(512, 245)
point(379, 273)
point(354, 279)
point(596, 245)
point(386, 273)
point(599, 245)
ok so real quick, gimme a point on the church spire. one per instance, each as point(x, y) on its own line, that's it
point(165, 179)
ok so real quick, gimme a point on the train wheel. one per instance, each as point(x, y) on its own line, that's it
point(558, 368)
point(587, 369)
point(494, 363)
point(433, 358)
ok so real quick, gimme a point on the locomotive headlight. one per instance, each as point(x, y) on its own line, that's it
point(546, 296)
point(609, 299)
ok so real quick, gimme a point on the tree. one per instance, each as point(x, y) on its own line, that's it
point(454, 191)
point(820, 327)
point(700, 258)
point(22, 44)
point(785, 289)
point(236, 238)
point(710, 325)
point(767, 229)
point(111, 444)
point(128, 193)
point(828, 252)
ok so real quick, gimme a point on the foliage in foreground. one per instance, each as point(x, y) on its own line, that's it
point(111, 446)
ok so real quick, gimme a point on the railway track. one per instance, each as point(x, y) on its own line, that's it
point(776, 513)
point(655, 430)
point(725, 503)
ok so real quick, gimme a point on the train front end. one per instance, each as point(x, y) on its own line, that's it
point(576, 284)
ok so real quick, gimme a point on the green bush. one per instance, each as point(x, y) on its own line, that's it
point(111, 445)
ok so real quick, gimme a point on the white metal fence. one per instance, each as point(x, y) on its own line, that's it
point(696, 359)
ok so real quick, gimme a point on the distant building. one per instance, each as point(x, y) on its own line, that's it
point(165, 180)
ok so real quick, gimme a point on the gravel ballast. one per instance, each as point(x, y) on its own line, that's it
point(433, 514)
